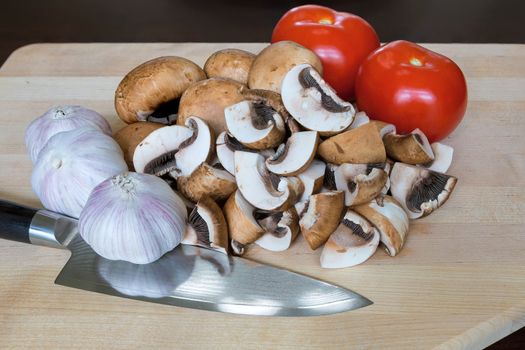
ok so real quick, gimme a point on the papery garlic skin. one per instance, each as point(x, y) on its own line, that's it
point(70, 166)
point(58, 119)
point(133, 217)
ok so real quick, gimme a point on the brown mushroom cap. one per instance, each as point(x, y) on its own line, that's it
point(131, 135)
point(152, 84)
point(207, 100)
point(232, 64)
point(360, 145)
point(207, 181)
point(273, 62)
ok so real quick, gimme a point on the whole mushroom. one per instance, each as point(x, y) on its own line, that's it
point(232, 64)
point(207, 99)
point(153, 85)
point(273, 62)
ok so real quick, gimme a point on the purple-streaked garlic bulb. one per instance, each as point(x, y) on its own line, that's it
point(133, 217)
point(71, 164)
point(58, 119)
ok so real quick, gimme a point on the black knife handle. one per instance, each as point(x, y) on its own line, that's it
point(15, 221)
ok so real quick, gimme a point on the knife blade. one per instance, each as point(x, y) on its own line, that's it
point(188, 276)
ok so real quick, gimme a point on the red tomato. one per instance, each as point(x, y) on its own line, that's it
point(412, 87)
point(342, 41)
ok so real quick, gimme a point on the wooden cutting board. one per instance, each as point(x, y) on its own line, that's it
point(458, 283)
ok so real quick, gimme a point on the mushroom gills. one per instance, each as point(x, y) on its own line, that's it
point(261, 188)
point(420, 191)
point(156, 153)
point(207, 227)
point(295, 155)
point(390, 219)
point(195, 150)
point(226, 145)
point(353, 242)
point(313, 103)
point(281, 230)
point(307, 81)
point(166, 113)
point(412, 148)
point(256, 125)
point(360, 182)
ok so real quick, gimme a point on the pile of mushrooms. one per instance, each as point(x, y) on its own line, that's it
point(262, 148)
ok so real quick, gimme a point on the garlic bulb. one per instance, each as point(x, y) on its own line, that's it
point(133, 217)
point(71, 164)
point(58, 119)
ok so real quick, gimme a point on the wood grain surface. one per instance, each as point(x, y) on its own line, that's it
point(458, 284)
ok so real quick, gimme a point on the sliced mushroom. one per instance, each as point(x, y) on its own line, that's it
point(207, 100)
point(412, 148)
point(352, 243)
point(360, 119)
point(255, 125)
point(155, 85)
point(388, 168)
point(207, 226)
point(294, 156)
point(131, 135)
point(313, 103)
point(273, 99)
point(156, 153)
point(281, 229)
point(359, 146)
point(442, 158)
point(360, 182)
point(226, 145)
point(195, 150)
point(272, 63)
point(242, 226)
point(387, 215)
point(233, 64)
point(329, 177)
point(207, 180)
point(420, 191)
point(384, 128)
point(321, 217)
point(261, 188)
point(312, 178)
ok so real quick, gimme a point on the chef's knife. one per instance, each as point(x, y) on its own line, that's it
point(187, 276)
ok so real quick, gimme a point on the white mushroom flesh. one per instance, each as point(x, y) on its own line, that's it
point(311, 177)
point(156, 153)
point(196, 149)
point(255, 182)
point(353, 242)
point(420, 191)
point(294, 156)
point(250, 122)
point(443, 155)
point(313, 103)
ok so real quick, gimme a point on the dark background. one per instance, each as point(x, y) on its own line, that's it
point(24, 22)
point(28, 21)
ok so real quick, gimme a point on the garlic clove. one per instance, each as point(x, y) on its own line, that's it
point(58, 119)
point(133, 217)
point(71, 164)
